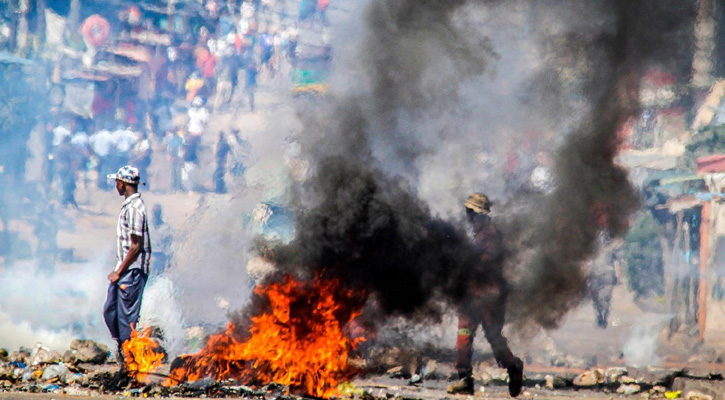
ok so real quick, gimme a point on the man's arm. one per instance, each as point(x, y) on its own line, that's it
point(133, 251)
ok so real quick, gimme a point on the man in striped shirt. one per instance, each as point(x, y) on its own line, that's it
point(133, 257)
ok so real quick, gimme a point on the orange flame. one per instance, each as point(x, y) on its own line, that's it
point(142, 354)
point(299, 342)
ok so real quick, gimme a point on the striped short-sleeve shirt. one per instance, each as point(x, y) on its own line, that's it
point(133, 221)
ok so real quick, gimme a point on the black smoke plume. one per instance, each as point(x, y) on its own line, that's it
point(593, 194)
point(359, 223)
point(370, 232)
point(359, 217)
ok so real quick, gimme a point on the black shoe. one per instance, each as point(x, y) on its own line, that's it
point(463, 386)
point(516, 377)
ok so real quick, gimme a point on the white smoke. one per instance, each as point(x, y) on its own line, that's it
point(53, 308)
point(161, 308)
point(641, 346)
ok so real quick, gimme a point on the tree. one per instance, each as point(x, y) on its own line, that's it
point(643, 257)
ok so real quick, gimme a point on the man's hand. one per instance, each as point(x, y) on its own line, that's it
point(114, 277)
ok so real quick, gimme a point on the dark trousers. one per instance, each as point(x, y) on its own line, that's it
point(488, 309)
point(123, 304)
point(103, 171)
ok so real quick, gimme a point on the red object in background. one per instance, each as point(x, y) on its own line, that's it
point(96, 30)
point(101, 105)
point(714, 163)
point(205, 62)
point(658, 77)
point(602, 213)
point(238, 43)
point(134, 15)
point(131, 113)
point(322, 5)
point(623, 134)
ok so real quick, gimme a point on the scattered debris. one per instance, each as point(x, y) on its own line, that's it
point(592, 377)
point(554, 382)
point(56, 372)
point(85, 370)
point(395, 372)
point(86, 351)
point(614, 374)
point(628, 389)
point(488, 374)
point(695, 395)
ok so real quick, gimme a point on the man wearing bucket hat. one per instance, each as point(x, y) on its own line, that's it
point(486, 305)
point(133, 257)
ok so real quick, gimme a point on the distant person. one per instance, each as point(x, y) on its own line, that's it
point(198, 118)
point(250, 81)
point(175, 151)
point(133, 258)
point(240, 151)
point(82, 154)
point(222, 151)
point(266, 45)
point(602, 278)
point(46, 232)
point(290, 39)
point(162, 243)
point(65, 156)
point(141, 154)
point(224, 86)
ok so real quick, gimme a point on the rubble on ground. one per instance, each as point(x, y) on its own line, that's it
point(88, 369)
point(86, 351)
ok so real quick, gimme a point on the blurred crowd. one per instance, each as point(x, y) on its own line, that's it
point(213, 65)
point(140, 83)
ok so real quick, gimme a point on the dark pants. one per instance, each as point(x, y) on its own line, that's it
point(123, 304)
point(103, 171)
point(218, 178)
point(250, 94)
point(600, 290)
point(68, 186)
point(487, 308)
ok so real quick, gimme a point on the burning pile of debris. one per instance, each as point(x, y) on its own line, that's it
point(304, 338)
point(88, 369)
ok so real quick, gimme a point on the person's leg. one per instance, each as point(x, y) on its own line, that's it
point(250, 93)
point(131, 286)
point(71, 192)
point(494, 314)
point(467, 324)
point(110, 316)
point(464, 345)
point(176, 174)
point(602, 299)
point(101, 178)
point(218, 178)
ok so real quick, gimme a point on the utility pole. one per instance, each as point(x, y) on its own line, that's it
point(74, 16)
point(40, 6)
point(21, 38)
point(702, 289)
point(702, 63)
